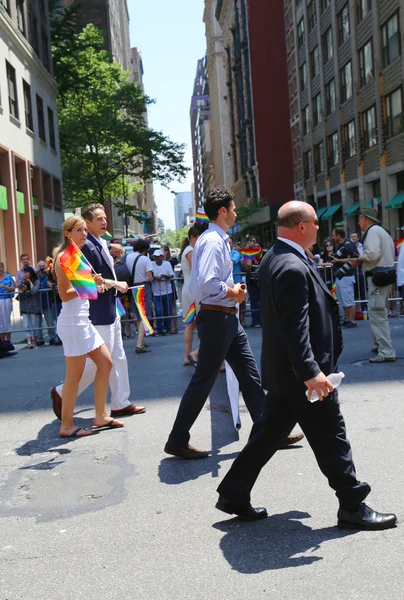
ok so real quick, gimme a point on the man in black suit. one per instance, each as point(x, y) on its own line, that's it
point(301, 343)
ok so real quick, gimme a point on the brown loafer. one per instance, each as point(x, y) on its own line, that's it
point(56, 403)
point(128, 411)
point(292, 439)
point(189, 453)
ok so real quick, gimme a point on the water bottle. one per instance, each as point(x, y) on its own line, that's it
point(334, 378)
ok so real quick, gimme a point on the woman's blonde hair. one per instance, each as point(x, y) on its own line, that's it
point(67, 227)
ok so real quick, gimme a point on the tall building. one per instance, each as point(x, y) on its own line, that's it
point(30, 171)
point(182, 208)
point(200, 133)
point(348, 104)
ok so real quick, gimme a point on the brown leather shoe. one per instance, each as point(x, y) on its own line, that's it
point(128, 411)
point(292, 439)
point(56, 403)
point(189, 453)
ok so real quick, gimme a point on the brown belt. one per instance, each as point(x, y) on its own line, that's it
point(226, 309)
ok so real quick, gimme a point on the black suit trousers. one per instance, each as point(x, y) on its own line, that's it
point(221, 338)
point(324, 428)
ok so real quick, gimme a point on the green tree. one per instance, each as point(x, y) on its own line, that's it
point(174, 239)
point(105, 141)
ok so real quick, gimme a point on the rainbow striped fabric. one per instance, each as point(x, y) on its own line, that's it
point(191, 314)
point(334, 291)
point(399, 243)
point(78, 272)
point(138, 296)
point(250, 253)
point(201, 217)
point(120, 309)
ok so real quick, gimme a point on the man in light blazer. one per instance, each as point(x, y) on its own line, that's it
point(301, 345)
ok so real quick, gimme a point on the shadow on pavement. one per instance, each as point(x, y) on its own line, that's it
point(273, 543)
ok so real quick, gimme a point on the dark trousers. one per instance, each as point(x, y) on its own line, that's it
point(254, 294)
point(324, 427)
point(221, 338)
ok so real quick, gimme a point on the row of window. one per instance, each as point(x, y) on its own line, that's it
point(395, 124)
point(29, 116)
point(390, 40)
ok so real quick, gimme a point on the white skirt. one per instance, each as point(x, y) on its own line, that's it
point(78, 334)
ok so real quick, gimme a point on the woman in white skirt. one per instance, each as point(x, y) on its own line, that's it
point(80, 340)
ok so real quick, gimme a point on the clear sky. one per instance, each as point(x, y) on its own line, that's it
point(170, 35)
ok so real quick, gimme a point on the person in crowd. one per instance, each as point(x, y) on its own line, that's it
point(251, 269)
point(48, 308)
point(122, 274)
point(378, 252)
point(237, 261)
point(301, 345)
point(30, 306)
point(344, 275)
point(104, 317)
point(187, 248)
point(7, 289)
point(400, 273)
point(162, 292)
point(81, 340)
point(220, 333)
point(52, 285)
point(326, 264)
point(356, 241)
point(313, 254)
point(173, 262)
point(141, 273)
point(25, 262)
point(360, 284)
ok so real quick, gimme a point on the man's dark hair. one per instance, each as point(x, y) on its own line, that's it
point(295, 216)
point(340, 232)
point(24, 255)
point(88, 212)
point(141, 246)
point(215, 199)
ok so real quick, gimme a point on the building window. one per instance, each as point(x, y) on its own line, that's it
point(305, 120)
point(366, 63)
point(51, 126)
point(45, 48)
point(33, 28)
point(300, 34)
point(330, 96)
point(369, 127)
point(12, 90)
point(319, 157)
point(327, 45)
point(364, 7)
point(41, 118)
point(311, 15)
point(6, 4)
point(20, 16)
point(303, 76)
point(334, 149)
point(307, 164)
point(29, 117)
point(315, 62)
point(317, 112)
point(346, 82)
point(325, 4)
point(391, 40)
point(343, 24)
point(350, 147)
point(394, 113)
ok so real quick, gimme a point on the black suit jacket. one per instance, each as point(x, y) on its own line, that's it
point(301, 334)
point(102, 310)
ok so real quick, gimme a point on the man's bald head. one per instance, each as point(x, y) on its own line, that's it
point(294, 212)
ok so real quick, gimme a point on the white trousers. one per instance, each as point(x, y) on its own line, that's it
point(119, 377)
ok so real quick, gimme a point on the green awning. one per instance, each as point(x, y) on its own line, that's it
point(330, 212)
point(352, 209)
point(20, 203)
point(35, 206)
point(397, 201)
point(320, 212)
point(370, 203)
point(3, 198)
point(107, 236)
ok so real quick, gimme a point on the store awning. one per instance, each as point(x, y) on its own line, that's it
point(352, 209)
point(370, 203)
point(396, 202)
point(330, 212)
point(320, 212)
point(107, 236)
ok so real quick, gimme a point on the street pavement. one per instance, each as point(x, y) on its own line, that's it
point(112, 517)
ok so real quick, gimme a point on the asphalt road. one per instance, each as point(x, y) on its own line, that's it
point(113, 517)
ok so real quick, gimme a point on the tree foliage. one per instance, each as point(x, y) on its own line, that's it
point(174, 239)
point(106, 144)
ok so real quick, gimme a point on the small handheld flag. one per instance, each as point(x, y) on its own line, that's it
point(201, 217)
point(399, 243)
point(138, 296)
point(250, 253)
point(334, 291)
point(191, 314)
point(78, 272)
point(120, 309)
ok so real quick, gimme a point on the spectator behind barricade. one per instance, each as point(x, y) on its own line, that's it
point(344, 276)
point(237, 276)
point(52, 285)
point(122, 274)
point(355, 240)
point(48, 307)
point(251, 269)
point(173, 262)
point(360, 282)
point(7, 289)
point(313, 254)
point(326, 264)
point(25, 262)
point(30, 308)
point(141, 273)
point(162, 292)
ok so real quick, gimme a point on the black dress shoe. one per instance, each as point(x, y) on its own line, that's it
point(365, 518)
point(189, 453)
point(243, 511)
point(56, 403)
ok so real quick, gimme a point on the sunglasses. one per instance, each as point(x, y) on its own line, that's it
point(316, 221)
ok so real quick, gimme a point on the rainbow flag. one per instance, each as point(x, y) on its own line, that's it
point(399, 243)
point(250, 253)
point(191, 314)
point(138, 296)
point(78, 272)
point(201, 217)
point(334, 291)
point(120, 309)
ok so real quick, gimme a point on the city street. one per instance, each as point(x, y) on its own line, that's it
point(112, 517)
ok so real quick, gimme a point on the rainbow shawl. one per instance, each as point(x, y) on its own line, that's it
point(191, 314)
point(138, 296)
point(250, 253)
point(78, 272)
